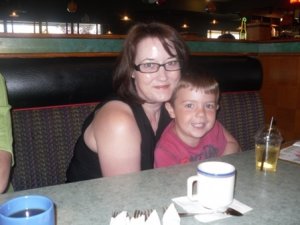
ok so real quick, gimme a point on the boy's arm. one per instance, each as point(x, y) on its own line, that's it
point(232, 145)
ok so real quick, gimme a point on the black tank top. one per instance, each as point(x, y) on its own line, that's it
point(84, 164)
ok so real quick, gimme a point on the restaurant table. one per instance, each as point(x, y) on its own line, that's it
point(274, 197)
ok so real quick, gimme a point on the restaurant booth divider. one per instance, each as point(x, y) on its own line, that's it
point(51, 97)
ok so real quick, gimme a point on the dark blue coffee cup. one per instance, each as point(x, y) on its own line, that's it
point(29, 209)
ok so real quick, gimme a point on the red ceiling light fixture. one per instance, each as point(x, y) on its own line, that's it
point(294, 2)
point(72, 6)
point(211, 7)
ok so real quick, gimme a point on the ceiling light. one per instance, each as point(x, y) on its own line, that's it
point(14, 14)
point(125, 18)
point(214, 21)
point(185, 26)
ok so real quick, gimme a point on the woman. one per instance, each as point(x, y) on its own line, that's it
point(120, 136)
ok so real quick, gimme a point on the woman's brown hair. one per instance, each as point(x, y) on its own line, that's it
point(122, 82)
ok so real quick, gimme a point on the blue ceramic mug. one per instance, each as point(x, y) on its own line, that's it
point(29, 209)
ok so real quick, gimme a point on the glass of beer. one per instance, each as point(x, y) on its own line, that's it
point(267, 147)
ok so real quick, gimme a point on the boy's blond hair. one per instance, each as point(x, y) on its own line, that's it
point(201, 80)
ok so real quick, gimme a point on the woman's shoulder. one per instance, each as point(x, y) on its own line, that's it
point(114, 121)
point(115, 107)
point(115, 113)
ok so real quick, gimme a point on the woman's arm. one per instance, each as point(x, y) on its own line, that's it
point(5, 164)
point(232, 145)
point(114, 135)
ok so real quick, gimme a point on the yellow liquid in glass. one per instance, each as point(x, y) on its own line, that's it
point(270, 158)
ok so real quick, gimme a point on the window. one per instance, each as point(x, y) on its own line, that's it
point(28, 27)
point(214, 34)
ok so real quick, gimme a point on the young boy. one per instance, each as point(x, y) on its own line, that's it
point(194, 134)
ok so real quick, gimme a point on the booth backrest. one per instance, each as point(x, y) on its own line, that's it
point(51, 97)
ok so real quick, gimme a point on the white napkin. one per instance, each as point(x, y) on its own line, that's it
point(153, 219)
point(137, 221)
point(195, 207)
point(121, 219)
point(171, 216)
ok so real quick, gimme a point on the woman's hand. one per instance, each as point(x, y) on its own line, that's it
point(5, 165)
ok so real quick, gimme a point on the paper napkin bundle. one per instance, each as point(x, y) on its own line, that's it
point(170, 217)
point(208, 215)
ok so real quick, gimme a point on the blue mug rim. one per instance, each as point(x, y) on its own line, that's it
point(16, 198)
point(211, 174)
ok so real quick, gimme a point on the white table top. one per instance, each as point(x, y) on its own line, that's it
point(274, 197)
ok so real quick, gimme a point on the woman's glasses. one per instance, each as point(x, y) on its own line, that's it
point(154, 67)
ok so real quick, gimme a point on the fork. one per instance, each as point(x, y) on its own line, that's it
point(146, 213)
point(137, 213)
point(115, 213)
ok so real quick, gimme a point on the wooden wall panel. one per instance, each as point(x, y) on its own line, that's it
point(281, 92)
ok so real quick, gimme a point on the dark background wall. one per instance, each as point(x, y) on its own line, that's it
point(197, 13)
